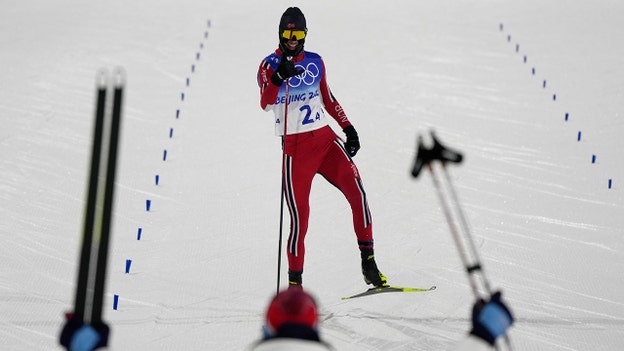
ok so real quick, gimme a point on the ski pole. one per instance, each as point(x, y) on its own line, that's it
point(469, 259)
point(465, 245)
point(84, 325)
point(281, 221)
point(474, 269)
point(476, 266)
point(109, 191)
point(87, 237)
point(283, 194)
point(456, 220)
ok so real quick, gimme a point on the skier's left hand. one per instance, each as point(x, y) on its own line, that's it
point(353, 142)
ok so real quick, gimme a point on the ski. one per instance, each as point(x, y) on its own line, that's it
point(388, 289)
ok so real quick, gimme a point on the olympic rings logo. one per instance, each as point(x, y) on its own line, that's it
point(310, 72)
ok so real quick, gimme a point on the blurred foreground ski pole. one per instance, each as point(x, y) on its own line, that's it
point(458, 225)
point(285, 161)
point(84, 328)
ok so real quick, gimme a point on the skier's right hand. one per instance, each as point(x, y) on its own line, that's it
point(285, 70)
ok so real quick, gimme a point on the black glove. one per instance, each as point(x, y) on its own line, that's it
point(285, 70)
point(353, 142)
point(491, 319)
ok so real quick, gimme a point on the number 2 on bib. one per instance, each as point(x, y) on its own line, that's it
point(308, 111)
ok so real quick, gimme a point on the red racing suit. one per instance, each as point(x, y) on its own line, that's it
point(311, 147)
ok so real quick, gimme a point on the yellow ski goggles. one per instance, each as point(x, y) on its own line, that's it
point(293, 34)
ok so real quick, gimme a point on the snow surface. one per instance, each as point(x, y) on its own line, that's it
point(547, 225)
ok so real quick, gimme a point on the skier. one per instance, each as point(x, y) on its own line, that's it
point(292, 324)
point(293, 84)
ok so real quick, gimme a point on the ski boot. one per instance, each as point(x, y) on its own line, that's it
point(294, 279)
point(371, 273)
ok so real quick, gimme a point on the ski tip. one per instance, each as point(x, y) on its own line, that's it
point(407, 289)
